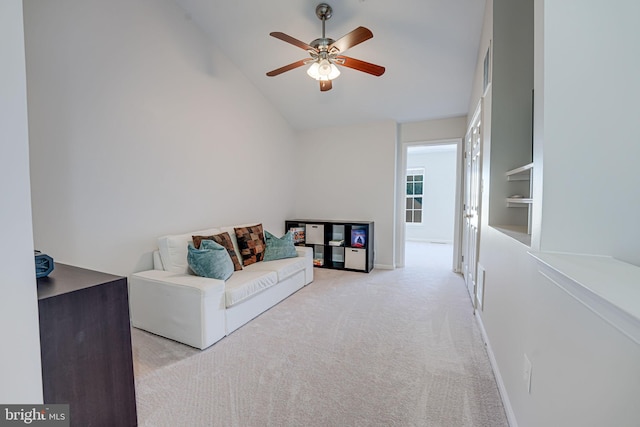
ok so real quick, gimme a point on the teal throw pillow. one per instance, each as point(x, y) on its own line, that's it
point(279, 248)
point(211, 260)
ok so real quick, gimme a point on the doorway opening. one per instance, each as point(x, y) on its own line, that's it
point(430, 204)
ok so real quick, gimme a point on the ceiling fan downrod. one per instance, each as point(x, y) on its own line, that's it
point(323, 12)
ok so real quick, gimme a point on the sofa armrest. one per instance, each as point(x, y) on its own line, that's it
point(188, 309)
point(307, 253)
point(186, 281)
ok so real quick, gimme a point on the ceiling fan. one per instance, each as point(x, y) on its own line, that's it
point(326, 53)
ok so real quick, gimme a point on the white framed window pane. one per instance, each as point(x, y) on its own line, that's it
point(409, 189)
point(414, 191)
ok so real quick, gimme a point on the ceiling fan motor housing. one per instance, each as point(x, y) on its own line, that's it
point(322, 43)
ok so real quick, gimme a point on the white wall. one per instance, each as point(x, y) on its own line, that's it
point(434, 130)
point(511, 106)
point(438, 212)
point(485, 41)
point(348, 173)
point(141, 127)
point(19, 333)
point(591, 152)
point(585, 372)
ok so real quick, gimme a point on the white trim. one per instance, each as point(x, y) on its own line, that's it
point(488, 56)
point(399, 224)
point(384, 267)
point(401, 197)
point(511, 416)
point(427, 240)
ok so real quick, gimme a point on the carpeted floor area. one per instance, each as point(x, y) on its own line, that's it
point(389, 348)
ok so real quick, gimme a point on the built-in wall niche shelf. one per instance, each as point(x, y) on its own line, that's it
point(516, 232)
point(518, 202)
point(608, 287)
point(522, 173)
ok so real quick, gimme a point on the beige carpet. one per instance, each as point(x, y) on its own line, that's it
point(388, 348)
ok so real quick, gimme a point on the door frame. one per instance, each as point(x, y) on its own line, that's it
point(476, 118)
point(400, 198)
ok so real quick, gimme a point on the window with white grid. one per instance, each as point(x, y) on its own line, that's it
point(415, 192)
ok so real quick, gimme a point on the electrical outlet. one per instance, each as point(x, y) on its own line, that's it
point(526, 373)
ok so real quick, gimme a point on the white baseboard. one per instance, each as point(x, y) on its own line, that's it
point(384, 266)
point(511, 416)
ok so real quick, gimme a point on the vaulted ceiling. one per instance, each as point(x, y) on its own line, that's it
point(428, 47)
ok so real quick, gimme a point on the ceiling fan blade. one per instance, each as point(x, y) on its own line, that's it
point(355, 37)
point(287, 38)
point(287, 67)
point(359, 65)
point(325, 85)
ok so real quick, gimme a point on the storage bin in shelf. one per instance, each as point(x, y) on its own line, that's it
point(314, 234)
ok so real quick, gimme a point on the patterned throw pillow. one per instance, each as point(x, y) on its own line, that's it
point(211, 260)
point(279, 248)
point(251, 243)
point(222, 239)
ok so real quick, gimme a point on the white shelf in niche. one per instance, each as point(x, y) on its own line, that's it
point(523, 173)
point(608, 287)
point(515, 202)
point(519, 233)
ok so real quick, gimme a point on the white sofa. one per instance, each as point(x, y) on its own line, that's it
point(172, 302)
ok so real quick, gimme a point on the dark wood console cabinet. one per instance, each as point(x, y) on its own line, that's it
point(85, 341)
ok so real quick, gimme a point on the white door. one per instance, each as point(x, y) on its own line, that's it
point(471, 213)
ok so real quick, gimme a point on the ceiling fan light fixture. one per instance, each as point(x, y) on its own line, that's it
point(323, 70)
point(326, 53)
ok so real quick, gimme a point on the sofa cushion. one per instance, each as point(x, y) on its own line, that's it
point(173, 250)
point(251, 243)
point(243, 284)
point(279, 247)
point(284, 268)
point(212, 260)
point(222, 239)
